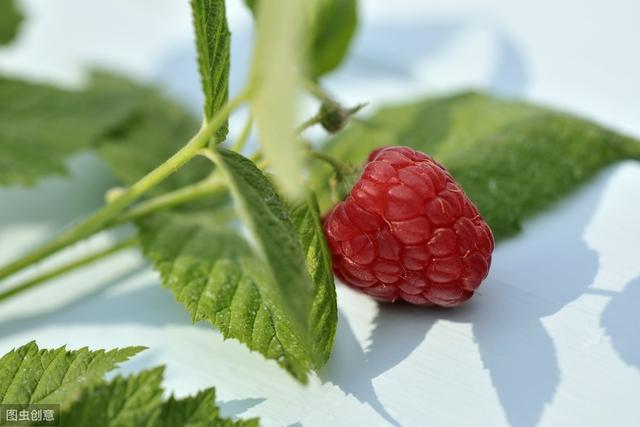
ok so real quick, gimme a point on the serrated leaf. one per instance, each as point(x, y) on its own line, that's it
point(74, 380)
point(213, 47)
point(270, 226)
point(10, 20)
point(41, 125)
point(155, 130)
point(136, 401)
point(331, 25)
point(216, 275)
point(197, 411)
point(131, 401)
point(274, 94)
point(30, 375)
point(259, 292)
point(324, 310)
point(513, 159)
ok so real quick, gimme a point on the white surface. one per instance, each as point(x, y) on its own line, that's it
point(551, 339)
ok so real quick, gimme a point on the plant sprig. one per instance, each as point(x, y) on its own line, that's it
point(274, 291)
point(287, 317)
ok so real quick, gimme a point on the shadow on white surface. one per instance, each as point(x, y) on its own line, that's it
point(57, 199)
point(513, 343)
point(108, 304)
point(235, 408)
point(436, 54)
point(399, 329)
point(620, 322)
point(399, 59)
point(506, 318)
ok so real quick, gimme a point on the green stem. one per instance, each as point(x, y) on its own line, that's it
point(342, 169)
point(210, 186)
point(244, 135)
point(102, 217)
point(207, 187)
point(312, 121)
point(31, 283)
point(332, 116)
point(316, 90)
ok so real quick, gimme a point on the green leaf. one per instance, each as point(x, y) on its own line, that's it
point(10, 20)
point(213, 272)
point(74, 380)
point(152, 133)
point(197, 411)
point(41, 125)
point(218, 277)
point(270, 226)
point(132, 401)
point(331, 27)
point(31, 375)
point(324, 310)
point(136, 401)
point(134, 128)
point(213, 43)
point(274, 89)
point(513, 159)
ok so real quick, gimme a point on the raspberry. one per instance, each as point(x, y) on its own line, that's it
point(407, 231)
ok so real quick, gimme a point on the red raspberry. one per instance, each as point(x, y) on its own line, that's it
point(408, 231)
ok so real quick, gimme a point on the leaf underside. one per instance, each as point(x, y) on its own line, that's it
point(513, 159)
point(274, 82)
point(332, 25)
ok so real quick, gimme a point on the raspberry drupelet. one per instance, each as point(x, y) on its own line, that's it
point(407, 231)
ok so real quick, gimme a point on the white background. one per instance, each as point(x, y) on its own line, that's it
point(551, 338)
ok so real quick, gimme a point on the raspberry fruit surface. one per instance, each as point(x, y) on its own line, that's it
point(407, 231)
